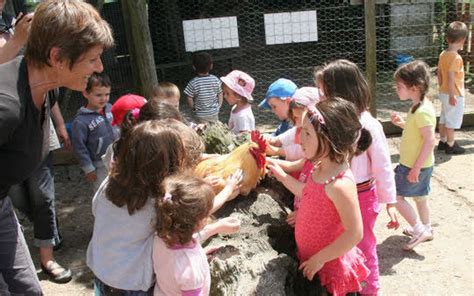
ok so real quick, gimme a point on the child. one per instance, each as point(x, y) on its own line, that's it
point(92, 130)
point(238, 87)
point(146, 154)
point(124, 104)
point(413, 174)
point(278, 99)
point(204, 92)
point(167, 92)
point(179, 262)
point(327, 245)
point(451, 88)
point(372, 169)
point(287, 144)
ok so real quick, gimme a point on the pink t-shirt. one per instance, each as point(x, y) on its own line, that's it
point(180, 270)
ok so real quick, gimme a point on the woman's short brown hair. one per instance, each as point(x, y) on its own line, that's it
point(73, 26)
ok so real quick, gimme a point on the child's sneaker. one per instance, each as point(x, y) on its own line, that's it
point(442, 146)
point(455, 149)
point(424, 236)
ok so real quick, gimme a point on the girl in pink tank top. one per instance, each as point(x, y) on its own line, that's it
point(329, 224)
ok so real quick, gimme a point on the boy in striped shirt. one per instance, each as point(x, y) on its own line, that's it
point(204, 92)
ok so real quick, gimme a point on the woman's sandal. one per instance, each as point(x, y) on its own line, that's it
point(57, 273)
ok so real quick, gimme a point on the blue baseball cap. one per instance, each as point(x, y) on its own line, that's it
point(282, 88)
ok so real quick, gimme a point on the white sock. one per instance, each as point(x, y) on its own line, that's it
point(428, 227)
point(443, 139)
point(450, 143)
point(418, 228)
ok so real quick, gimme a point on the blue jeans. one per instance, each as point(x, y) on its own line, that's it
point(17, 272)
point(101, 289)
point(35, 198)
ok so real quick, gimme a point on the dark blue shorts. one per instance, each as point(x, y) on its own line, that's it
point(407, 189)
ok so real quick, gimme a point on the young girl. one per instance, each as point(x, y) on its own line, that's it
point(287, 144)
point(179, 262)
point(121, 246)
point(237, 89)
point(372, 169)
point(326, 245)
point(413, 174)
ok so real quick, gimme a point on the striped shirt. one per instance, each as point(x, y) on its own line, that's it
point(204, 90)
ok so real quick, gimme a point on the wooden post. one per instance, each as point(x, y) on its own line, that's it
point(370, 52)
point(139, 45)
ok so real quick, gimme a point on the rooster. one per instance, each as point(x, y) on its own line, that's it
point(249, 157)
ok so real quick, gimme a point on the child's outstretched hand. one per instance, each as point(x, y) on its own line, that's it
point(392, 214)
point(213, 180)
point(228, 225)
point(276, 171)
point(397, 119)
point(311, 266)
point(233, 183)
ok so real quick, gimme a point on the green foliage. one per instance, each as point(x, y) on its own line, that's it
point(219, 139)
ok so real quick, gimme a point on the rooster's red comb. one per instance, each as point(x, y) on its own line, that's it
point(259, 140)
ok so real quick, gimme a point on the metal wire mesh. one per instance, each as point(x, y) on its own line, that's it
point(404, 29)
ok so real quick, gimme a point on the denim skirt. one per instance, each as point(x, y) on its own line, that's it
point(407, 189)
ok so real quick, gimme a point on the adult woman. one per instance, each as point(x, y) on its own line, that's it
point(63, 49)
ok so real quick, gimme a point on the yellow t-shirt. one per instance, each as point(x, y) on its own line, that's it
point(451, 61)
point(412, 141)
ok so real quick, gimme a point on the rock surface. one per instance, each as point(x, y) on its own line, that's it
point(260, 259)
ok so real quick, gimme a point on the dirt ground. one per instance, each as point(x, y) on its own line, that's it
point(441, 267)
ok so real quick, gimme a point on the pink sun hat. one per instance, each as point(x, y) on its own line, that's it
point(306, 96)
point(241, 83)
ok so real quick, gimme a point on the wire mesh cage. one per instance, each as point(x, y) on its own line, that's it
point(282, 39)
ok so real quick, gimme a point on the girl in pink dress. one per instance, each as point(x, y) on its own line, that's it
point(329, 224)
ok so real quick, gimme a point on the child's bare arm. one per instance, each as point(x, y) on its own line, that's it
point(440, 78)
point(451, 89)
point(220, 96)
point(429, 142)
point(288, 166)
point(190, 101)
point(295, 186)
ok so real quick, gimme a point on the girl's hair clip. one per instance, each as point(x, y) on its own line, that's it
point(167, 196)
point(315, 114)
point(136, 113)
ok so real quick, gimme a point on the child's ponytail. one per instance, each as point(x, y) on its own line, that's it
point(415, 74)
point(187, 201)
point(364, 141)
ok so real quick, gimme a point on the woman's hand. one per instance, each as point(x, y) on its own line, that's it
point(311, 266)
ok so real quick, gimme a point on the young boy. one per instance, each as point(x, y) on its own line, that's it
point(92, 130)
point(204, 92)
point(451, 88)
point(278, 98)
point(168, 93)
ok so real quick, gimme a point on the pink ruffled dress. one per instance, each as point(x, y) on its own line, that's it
point(318, 225)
